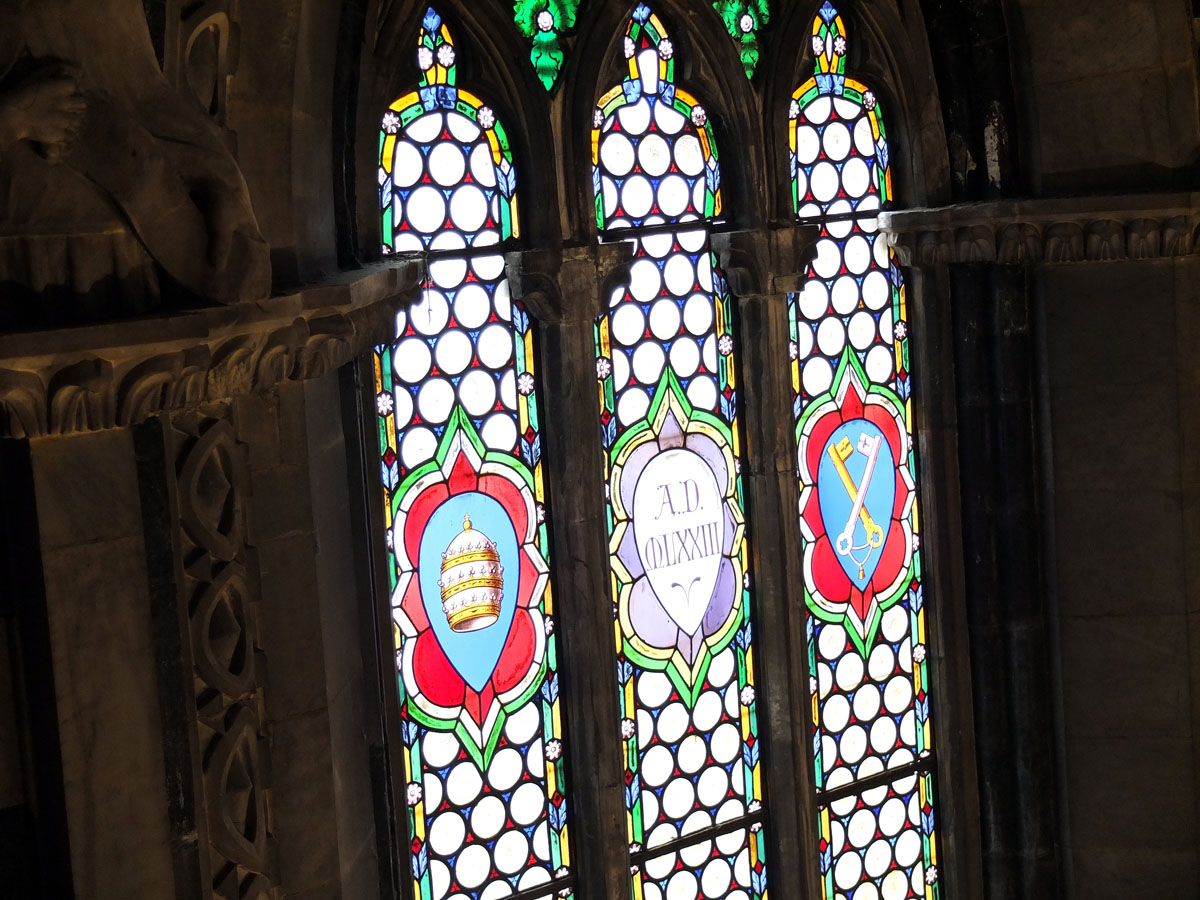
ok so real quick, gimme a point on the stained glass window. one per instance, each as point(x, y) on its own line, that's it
point(743, 19)
point(543, 23)
point(867, 638)
point(681, 585)
point(460, 464)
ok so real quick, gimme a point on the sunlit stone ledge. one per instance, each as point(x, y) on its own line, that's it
point(119, 373)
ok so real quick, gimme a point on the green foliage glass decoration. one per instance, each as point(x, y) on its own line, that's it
point(742, 20)
point(544, 22)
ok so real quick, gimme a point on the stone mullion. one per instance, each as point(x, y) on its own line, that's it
point(1010, 649)
point(769, 475)
point(565, 294)
point(217, 595)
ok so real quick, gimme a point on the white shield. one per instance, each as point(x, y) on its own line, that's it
point(679, 527)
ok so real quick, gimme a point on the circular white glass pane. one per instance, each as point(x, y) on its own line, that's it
point(608, 189)
point(808, 144)
point(407, 165)
point(856, 177)
point(818, 110)
point(824, 181)
point(448, 273)
point(693, 240)
point(483, 166)
point(836, 141)
point(702, 392)
point(426, 209)
point(654, 154)
point(453, 352)
point(685, 357)
point(620, 369)
point(635, 117)
point(698, 314)
point(616, 154)
point(477, 392)
point(664, 319)
point(831, 336)
point(412, 360)
point(403, 410)
point(864, 138)
point(840, 228)
point(447, 165)
point(648, 362)
point(845, 295)
point(645, 281)
point(435, 400)
point(876, 290)
point(495, 346)
point(637, 196)
point(653, 688)
point(862, 330)
point(472, 306)
point(417, 446)
point(673, 195)
point(828, 260)
point(431, 314)
point(502, 301)
point(668, 119)
point(689, 155)
point(879, 364)
point(468, 208)
point(462, 128)
point(657, 245)
point(816, 376)
point(425, 129)
point(500, 432)
point(858, 254)
point(628, 324)
point(632, 406)
point(814, 299)
point(680, 275)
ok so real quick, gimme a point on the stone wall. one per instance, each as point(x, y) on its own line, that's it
point(1124, 422)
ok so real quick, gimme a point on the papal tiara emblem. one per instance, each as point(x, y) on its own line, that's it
point(472, 580)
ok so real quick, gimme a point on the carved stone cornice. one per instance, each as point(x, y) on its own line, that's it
point(120, 373)
point(1048, 231)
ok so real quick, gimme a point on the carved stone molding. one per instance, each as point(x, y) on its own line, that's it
point(119, 374)
point(218, 593)
point(1048, 231)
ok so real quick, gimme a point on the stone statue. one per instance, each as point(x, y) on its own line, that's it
point(104, 168)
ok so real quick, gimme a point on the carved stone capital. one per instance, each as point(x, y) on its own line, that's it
point(1051, 231)
point(118, 374)
point(771, 261)
point(552, 282)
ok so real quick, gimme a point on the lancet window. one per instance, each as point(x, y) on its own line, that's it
point(460, 466)
point(681, 584)
point(867, 634)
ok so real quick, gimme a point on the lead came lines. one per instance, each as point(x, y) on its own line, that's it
point(866, 630)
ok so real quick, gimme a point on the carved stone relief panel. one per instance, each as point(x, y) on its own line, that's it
point(218, 587)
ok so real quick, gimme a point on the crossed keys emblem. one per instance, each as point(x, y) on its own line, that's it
point(869, 447)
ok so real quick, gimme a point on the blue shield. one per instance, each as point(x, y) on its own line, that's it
point(857, 542)
point(475, 653)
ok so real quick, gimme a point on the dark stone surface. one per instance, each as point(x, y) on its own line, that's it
point(1010, 652)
